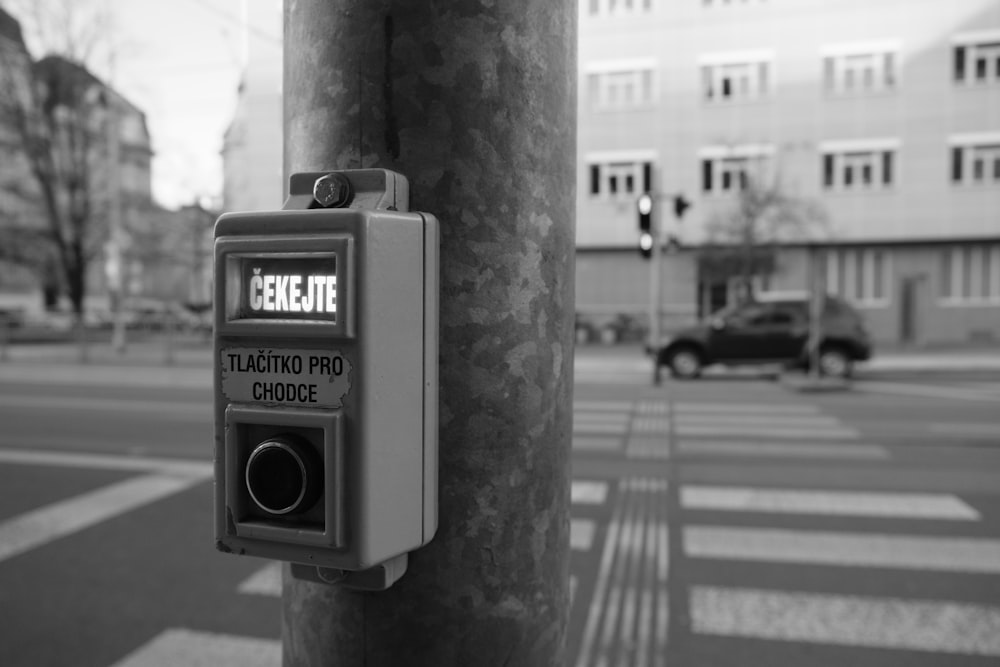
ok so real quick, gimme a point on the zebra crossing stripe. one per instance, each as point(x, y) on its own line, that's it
point(791, 420)
point(627, 618)
point(588, 492)
point(759, 448)
point(602, 406)
point(887, 623)
point(265, 581)
point(764, 431)
point(681, 407)
point(180, 646)
point(581, 534)
point(842, 549)
point(796, 501)
point(45, 524)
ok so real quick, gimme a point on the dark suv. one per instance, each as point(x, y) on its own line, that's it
point(769, 332)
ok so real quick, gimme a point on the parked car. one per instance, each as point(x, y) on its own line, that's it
point(771, 332)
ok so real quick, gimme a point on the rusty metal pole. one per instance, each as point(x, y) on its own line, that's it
point(475, 103)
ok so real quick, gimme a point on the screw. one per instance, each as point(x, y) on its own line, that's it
point(332, 190)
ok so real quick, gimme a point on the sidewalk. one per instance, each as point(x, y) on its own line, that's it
point(189, 365)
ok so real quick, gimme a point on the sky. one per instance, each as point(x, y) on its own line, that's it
point(180, 62)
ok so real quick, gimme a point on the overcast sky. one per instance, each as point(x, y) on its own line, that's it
point(180, 61)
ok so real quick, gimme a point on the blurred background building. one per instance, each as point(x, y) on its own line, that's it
point(75, 189)
point(252, 151)
point(874, 125)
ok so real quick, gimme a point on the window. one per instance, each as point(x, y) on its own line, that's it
point(860, 68)
point(970, 274)
point(975, 159)
point(620, 175)
point(976, 57)
point(730, 77)
point(621, 85)
point(728, 169)
point(859, 165)
point(619, 7)
point(858, 275)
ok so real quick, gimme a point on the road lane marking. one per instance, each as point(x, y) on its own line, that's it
point(789, 420)
point(602, 406)
point(838, 450)
point(173, 409)
point(841, 503)
point(596, 443)
point(762, 431)
point(626, 620)
point(588, 492)
point(924, 391)
point(581, 534)
point(887, 623)
point(180, 646)
point(842, 549)
point(753, 408)
point(43, 525)
point(265, 581)
point(182, 467)
point(651, 424)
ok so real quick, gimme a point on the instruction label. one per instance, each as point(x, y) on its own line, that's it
point(316, 378)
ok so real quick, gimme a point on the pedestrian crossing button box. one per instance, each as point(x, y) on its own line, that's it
point(325, 377)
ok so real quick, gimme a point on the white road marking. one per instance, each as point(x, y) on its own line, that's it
point(841, 503)
point(165, 466)
point(49, 402)
point(597, 443)
point(924, 391)
point(966, 429)
point(265, 581)
point(180, 646)
point(887, 623)
point(651, 424)
point(588, 492)
point(744, 408)
point(627, 621)
point(581, 534)
point(602, 406)
point(46, 524)
point(841, 549)
point(762, 431)
point(789, 420)
point(839, 450)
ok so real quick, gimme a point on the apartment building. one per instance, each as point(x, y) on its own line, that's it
point(885, 116)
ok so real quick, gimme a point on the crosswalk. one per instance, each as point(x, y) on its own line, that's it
point(748, 550)
point(749, 545)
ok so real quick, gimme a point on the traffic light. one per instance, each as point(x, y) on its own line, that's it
point(645, 209)
point(325, 372)
point(680, 205)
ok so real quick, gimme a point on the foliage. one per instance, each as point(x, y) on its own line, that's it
point(743, 237)
point(54, 122)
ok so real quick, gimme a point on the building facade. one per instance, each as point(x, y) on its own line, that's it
point(252, 156)
point(98, 138)
point(885, 117)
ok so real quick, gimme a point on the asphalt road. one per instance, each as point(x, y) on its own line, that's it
point(733, 520)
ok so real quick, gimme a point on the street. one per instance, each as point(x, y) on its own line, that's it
point(734, 520)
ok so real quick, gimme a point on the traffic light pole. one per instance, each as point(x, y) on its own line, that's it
point(475, 104)
point(655, 291)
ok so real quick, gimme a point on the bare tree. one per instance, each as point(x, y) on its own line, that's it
point(55, 116)
point(743, 237)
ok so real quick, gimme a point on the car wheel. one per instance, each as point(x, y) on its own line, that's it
point(684, 362)
point(834, 362)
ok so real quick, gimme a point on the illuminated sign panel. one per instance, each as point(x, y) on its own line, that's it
point(289, 287)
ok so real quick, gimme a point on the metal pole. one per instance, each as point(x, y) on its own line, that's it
point(655, 288)
point(475, 103)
